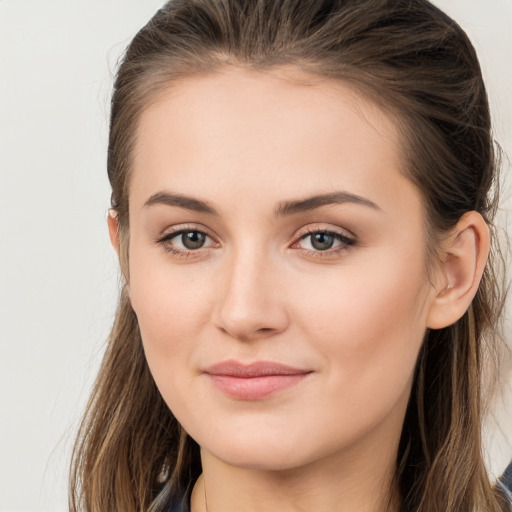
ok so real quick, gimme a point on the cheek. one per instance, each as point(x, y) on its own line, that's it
point(172, 307)
point(170, 315)
point(369, 321)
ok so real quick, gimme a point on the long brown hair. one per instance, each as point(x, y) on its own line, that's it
point(415, 62)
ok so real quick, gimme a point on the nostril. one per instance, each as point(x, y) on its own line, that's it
point(247, 309)
point(245, 334)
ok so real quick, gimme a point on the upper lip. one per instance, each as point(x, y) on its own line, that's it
point(256, 369)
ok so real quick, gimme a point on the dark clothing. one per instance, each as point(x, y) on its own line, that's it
point(506, 478)
point(181, 506)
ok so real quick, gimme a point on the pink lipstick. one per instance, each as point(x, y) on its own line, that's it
point(253, 381)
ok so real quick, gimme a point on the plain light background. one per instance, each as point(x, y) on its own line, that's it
point(58, 275)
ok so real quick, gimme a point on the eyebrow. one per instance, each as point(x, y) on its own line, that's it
point(311, 203)
point(284, 209)
point(189, 203)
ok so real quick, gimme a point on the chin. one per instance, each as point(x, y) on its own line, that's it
point(258, 459)
point(260, 452)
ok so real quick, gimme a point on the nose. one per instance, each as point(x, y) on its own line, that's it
point(250, 304)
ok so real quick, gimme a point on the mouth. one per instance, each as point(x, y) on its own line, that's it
point(254, 381)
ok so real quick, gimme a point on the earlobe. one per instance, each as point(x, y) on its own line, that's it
point(113, 229)
point(465, 254)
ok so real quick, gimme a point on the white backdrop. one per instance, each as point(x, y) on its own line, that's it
point(58, 275)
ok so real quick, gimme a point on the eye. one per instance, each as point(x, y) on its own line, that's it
point(184, 241)
point(322, 241)
point(192, 239)
point(325, 241)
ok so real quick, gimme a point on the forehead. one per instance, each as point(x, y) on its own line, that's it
point(243, 133)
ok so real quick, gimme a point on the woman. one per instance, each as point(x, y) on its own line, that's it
point(303, 197)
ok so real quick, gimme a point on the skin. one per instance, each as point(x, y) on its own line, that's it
point(354, 316)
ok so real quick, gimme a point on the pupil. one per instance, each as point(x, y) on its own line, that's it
point(193, 239)
point(322, 241)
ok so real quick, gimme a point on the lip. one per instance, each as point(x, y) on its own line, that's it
point(254, 381)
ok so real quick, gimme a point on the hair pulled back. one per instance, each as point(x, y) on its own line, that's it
point(418, 65)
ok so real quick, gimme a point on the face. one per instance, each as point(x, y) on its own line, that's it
point(276, 266)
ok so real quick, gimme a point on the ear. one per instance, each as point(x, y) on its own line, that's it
point(113, 229)
point(464, 255)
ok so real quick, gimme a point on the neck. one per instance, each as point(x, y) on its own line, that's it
point(340, 483)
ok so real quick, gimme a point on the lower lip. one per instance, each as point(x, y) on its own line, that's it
point(255, 388)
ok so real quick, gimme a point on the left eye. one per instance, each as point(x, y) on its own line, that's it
point(324, 240)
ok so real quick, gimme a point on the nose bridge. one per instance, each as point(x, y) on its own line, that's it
point(250, 304)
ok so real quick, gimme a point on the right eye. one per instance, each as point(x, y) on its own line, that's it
point(185, 241)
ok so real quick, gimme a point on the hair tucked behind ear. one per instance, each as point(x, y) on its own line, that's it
point(418, 65)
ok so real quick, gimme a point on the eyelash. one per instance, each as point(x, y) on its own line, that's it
point(165, 242)
point(346, 243)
